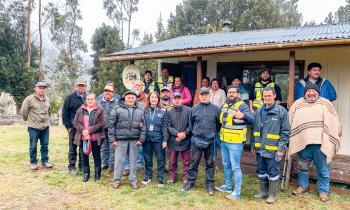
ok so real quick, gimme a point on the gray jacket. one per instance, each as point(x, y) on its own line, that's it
point(273, 134)
point(179, 122)
point(107, 106)
point(126, 123)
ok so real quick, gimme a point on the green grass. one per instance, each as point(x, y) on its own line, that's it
point(20, 188)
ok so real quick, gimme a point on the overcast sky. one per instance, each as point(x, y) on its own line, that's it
point(148, 12)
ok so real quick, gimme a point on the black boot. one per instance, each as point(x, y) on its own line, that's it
point(97, 174)
point(273, 185)
point(264, 189)
point(86, 176)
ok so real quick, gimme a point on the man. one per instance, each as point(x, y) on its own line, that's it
point(126, 132)
point(217, 95)
point(325, 86)
point(204, 83)
point(108, 102)
point(70, 107)
point(315, 137)
point(271, 134)
point(141, 100)
point(255, 94)
point(180, 138)
point(165, 100)
point(115, 95)
point(204, 124)
point(35, 111)
point(234, 117)
point(165, 80)
point(148, 84)
point(244, 95)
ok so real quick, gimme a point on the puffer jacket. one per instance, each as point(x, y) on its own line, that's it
point(158, 118)
point(126, 123)
point(272, 135)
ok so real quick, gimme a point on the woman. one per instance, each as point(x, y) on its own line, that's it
point(217, 95)
point(89, 122)
point(156, 121)
point(178, 87)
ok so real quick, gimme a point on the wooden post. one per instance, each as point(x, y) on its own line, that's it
point(199, 74)
point(290, 102)
point(291, 78)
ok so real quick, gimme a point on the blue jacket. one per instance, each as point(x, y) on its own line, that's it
point(157, 122)
point(326, 89)
point(107, 106)
point(271, 130)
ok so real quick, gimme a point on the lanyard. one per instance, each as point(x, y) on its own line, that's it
point(152, 115)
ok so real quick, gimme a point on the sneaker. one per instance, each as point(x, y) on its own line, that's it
point(187, 187)
point(170, 181)
point(160, 184)
point(146, 181)
point(126, 172)
point(210, 190)
point(47, 165)
point(73, 171)
point(233, 196)
point(223, 188)
point(33, 166)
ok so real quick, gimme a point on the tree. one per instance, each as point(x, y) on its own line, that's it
point(207, 16)
point(150, 64)
point(342, 15)
point(67, 37)
point(29, 11)
point(106, 40)
point(120, 12)
point(16, 78)
point(160, 33)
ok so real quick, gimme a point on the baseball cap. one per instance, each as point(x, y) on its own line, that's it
point(177, 94)
point(108, 87)
point(40, 84)
point(204, 90)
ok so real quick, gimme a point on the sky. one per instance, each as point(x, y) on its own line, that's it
point(148, 13)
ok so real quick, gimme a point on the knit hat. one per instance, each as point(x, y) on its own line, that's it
point(309, 85)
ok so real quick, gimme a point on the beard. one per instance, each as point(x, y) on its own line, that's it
point(232, 100)
point(165, 98)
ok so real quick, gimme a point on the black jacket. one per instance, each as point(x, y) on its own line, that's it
point(179, 122)
point(70, 107)
point(126, 123)
point(204, 121)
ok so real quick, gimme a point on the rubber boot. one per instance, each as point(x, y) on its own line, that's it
point(264, 189)
point(273, 185)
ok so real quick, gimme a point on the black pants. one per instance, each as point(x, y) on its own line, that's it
point(96, 149)
point(72, 153)
point(195, 156)
point(148, 149)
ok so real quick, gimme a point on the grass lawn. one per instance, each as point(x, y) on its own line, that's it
point(20, 188)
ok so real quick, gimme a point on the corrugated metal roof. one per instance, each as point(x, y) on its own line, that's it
point(245, 38)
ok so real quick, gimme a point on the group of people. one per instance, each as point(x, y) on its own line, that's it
point(123, 133)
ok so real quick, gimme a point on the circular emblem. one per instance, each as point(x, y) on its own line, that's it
point(130, 74)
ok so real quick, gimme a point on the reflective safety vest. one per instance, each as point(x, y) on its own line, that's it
point(271, 143)
point(232, 130)
point(151, 87)
point(169, 82)
point(258, 101)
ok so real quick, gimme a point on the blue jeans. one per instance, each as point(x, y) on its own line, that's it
point(267, 168)
point(313, 153)
point(231, 161)
point(34, 135)
point(139, 159)
point(149, 148)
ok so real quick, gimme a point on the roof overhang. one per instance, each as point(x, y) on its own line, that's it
point(227, 49)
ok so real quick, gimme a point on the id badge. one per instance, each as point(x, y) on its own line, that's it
point(151, 128)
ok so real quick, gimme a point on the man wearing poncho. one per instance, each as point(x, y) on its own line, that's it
point(315, 137)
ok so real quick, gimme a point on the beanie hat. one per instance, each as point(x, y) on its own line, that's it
point(309, 85)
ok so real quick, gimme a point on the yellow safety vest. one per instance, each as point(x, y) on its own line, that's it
point(169, 83)
point(151, 86)
point(231, 132)
point(258, 101)
point(271, 143)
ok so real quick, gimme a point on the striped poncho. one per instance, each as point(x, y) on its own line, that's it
point(314, 123)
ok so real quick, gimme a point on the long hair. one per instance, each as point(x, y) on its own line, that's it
point(149, 99)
